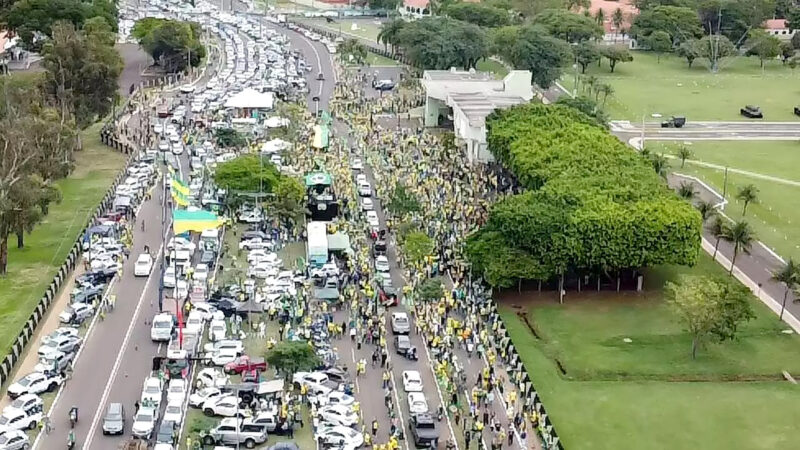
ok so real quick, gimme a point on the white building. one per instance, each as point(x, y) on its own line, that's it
point(415, 9)
point(466, 98)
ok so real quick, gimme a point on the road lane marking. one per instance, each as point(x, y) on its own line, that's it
point(107, 390)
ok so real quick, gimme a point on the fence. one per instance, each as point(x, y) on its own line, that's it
point(66, 268)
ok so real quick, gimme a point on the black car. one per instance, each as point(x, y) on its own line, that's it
point(231, 307)
point(337, 375)
point(87, 294)
point(253, 234)
point(167, 433)
point(208, 258)
point(423, 430)
point(97, 276)
point(379, 247)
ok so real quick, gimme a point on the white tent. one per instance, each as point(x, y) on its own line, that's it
point(275, 146)
point(251, 99)
point(276, 122)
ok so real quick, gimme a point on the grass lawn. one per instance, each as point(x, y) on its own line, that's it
point(365, 28)
point(488, 65)
point(644, 86)
point(775, 216)
point(378, 60)
point(31, 269)
point(619, 395)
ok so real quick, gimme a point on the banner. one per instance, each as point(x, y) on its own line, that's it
point(183, 221)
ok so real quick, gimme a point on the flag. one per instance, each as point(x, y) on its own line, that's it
point(178, 186)
point(180, 199)
point(198, 221)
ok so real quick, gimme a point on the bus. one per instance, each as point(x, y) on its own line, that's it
point(317, 244)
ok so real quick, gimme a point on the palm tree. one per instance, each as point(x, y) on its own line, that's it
point(617, 18)
point(686, 191)
point(789, 275)
point(606, 90)
point(684, 153)
point(748, 194)
point(600, 16)
point(660, 165)
point(741, 237)
point(717, 230)
point(591, 82)
point(390, 32)
point(706, 209)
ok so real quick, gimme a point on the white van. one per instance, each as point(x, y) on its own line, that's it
point(161, 330)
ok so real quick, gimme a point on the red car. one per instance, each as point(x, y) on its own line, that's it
point(245, 363)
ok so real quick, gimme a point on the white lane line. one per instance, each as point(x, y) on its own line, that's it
point(438, 389)
point(319, 61)
point(118, 361)
point(397, 401)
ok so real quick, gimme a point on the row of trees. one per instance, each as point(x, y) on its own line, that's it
point(174, 45)
point(41, 116)
point(28, 18)
point(592, 206)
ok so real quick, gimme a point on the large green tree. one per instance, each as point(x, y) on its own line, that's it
point(660, 43)
point(29, 16)
point(533, 49)
point(568, 26)
point(390, 32)
point(290, 357)
point(442, 43)
point(478, 13)
point(174, 45)
point(247, 174)
point(616, 54)
point(762, 45)
point(680, 23)
point(586, 53)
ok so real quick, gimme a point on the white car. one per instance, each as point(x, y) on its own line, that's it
point(218, 330)
point(262, 270)
point(417, 403)
point(365, 190)
point(210, 377)
point(226, 406)
point(228, 344)
point(63, 331)
point(169, 277)
point(152, 389)
point(366, 204)
point(382, 263)
point(181, 244)
point(256, 244)
point(34, 383)
point(204, 310)
point(339, 415)
point(305, 378)
point(223, 356)
point(14, 440)
point(174, 412)
point(361, 179)
point(17, 419)
point(144, 422)
point(200, 272)
point(25, 402)
point(357, 164)
point(158, 128)
point(263, 256)
point(334, 398)
point(340, 436)
point(177, 148)
point(412, 381)
point(162, 327)
point(372, 219)
point(200, 396)
point(176, 390)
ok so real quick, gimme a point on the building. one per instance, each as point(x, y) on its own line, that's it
point(465, 98)
point(613, 34)
point(778, 28)
point(415, 9)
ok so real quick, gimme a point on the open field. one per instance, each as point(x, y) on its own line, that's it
point(365, 28)
point(618, 395)
point(645, 87)
point(378, 60)
point(31, 269)
point(775, 217)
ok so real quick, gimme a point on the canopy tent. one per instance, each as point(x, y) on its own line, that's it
point(321, 135)
point(251, 99)
point(199, 221)
point(317, 178)
point(276, 122)
point(275, 146)
point(339, 242)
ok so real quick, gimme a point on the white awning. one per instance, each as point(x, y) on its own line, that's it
point(251, 98)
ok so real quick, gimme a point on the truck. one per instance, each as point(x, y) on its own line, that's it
point(317, 244)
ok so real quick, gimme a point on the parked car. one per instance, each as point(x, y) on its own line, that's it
point(76, 313)
point(245, 362)
point(144, 422)
point(114, 420)
point(423, 430)
point(400, 323)
point(412, 381)
point(236, 432)
point(14, 440)
point(143, 265)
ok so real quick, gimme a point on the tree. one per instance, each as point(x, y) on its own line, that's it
point(718, 231)
point(789, 275)
point(600, 16)
point(288, 201)
point(715, 48)
point(352, 51)
point(387, 5)
point(659, 42)
point(229, 138)
point(763, 45)
point(605, 89)
point(585, 54)
point(442, 43)
point(478, 13)
point(246, 174)
point(31, 198)
point(568, 26)
point(585, 105)
point(660, 165)
point(684, 153)
point(431, 289)
point(680, 23)
point(416, 246)
point(503, 39)
point(174, 45)
point(741, 237)
point(81, 71)
point(573, 5)
point(289, 357)
point(787, 51)
point(747, 194)
point(30, 16)
point(402, 201)
point(708, 308)
point(795, 41)
point(706, 210)
point(390, 31)
point(543, 55)
point(616, 54)
point(734, 18)
point(686, 191)
point(691, 50)
point(617, 19)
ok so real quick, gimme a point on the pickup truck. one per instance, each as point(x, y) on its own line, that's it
point(244, 363)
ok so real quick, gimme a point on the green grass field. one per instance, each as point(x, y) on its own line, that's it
point(644, 86)
point(31, 269)
point(775, 216)
point(378, 60)
point(618, 395)
point(488, 65)
point(365, 28)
